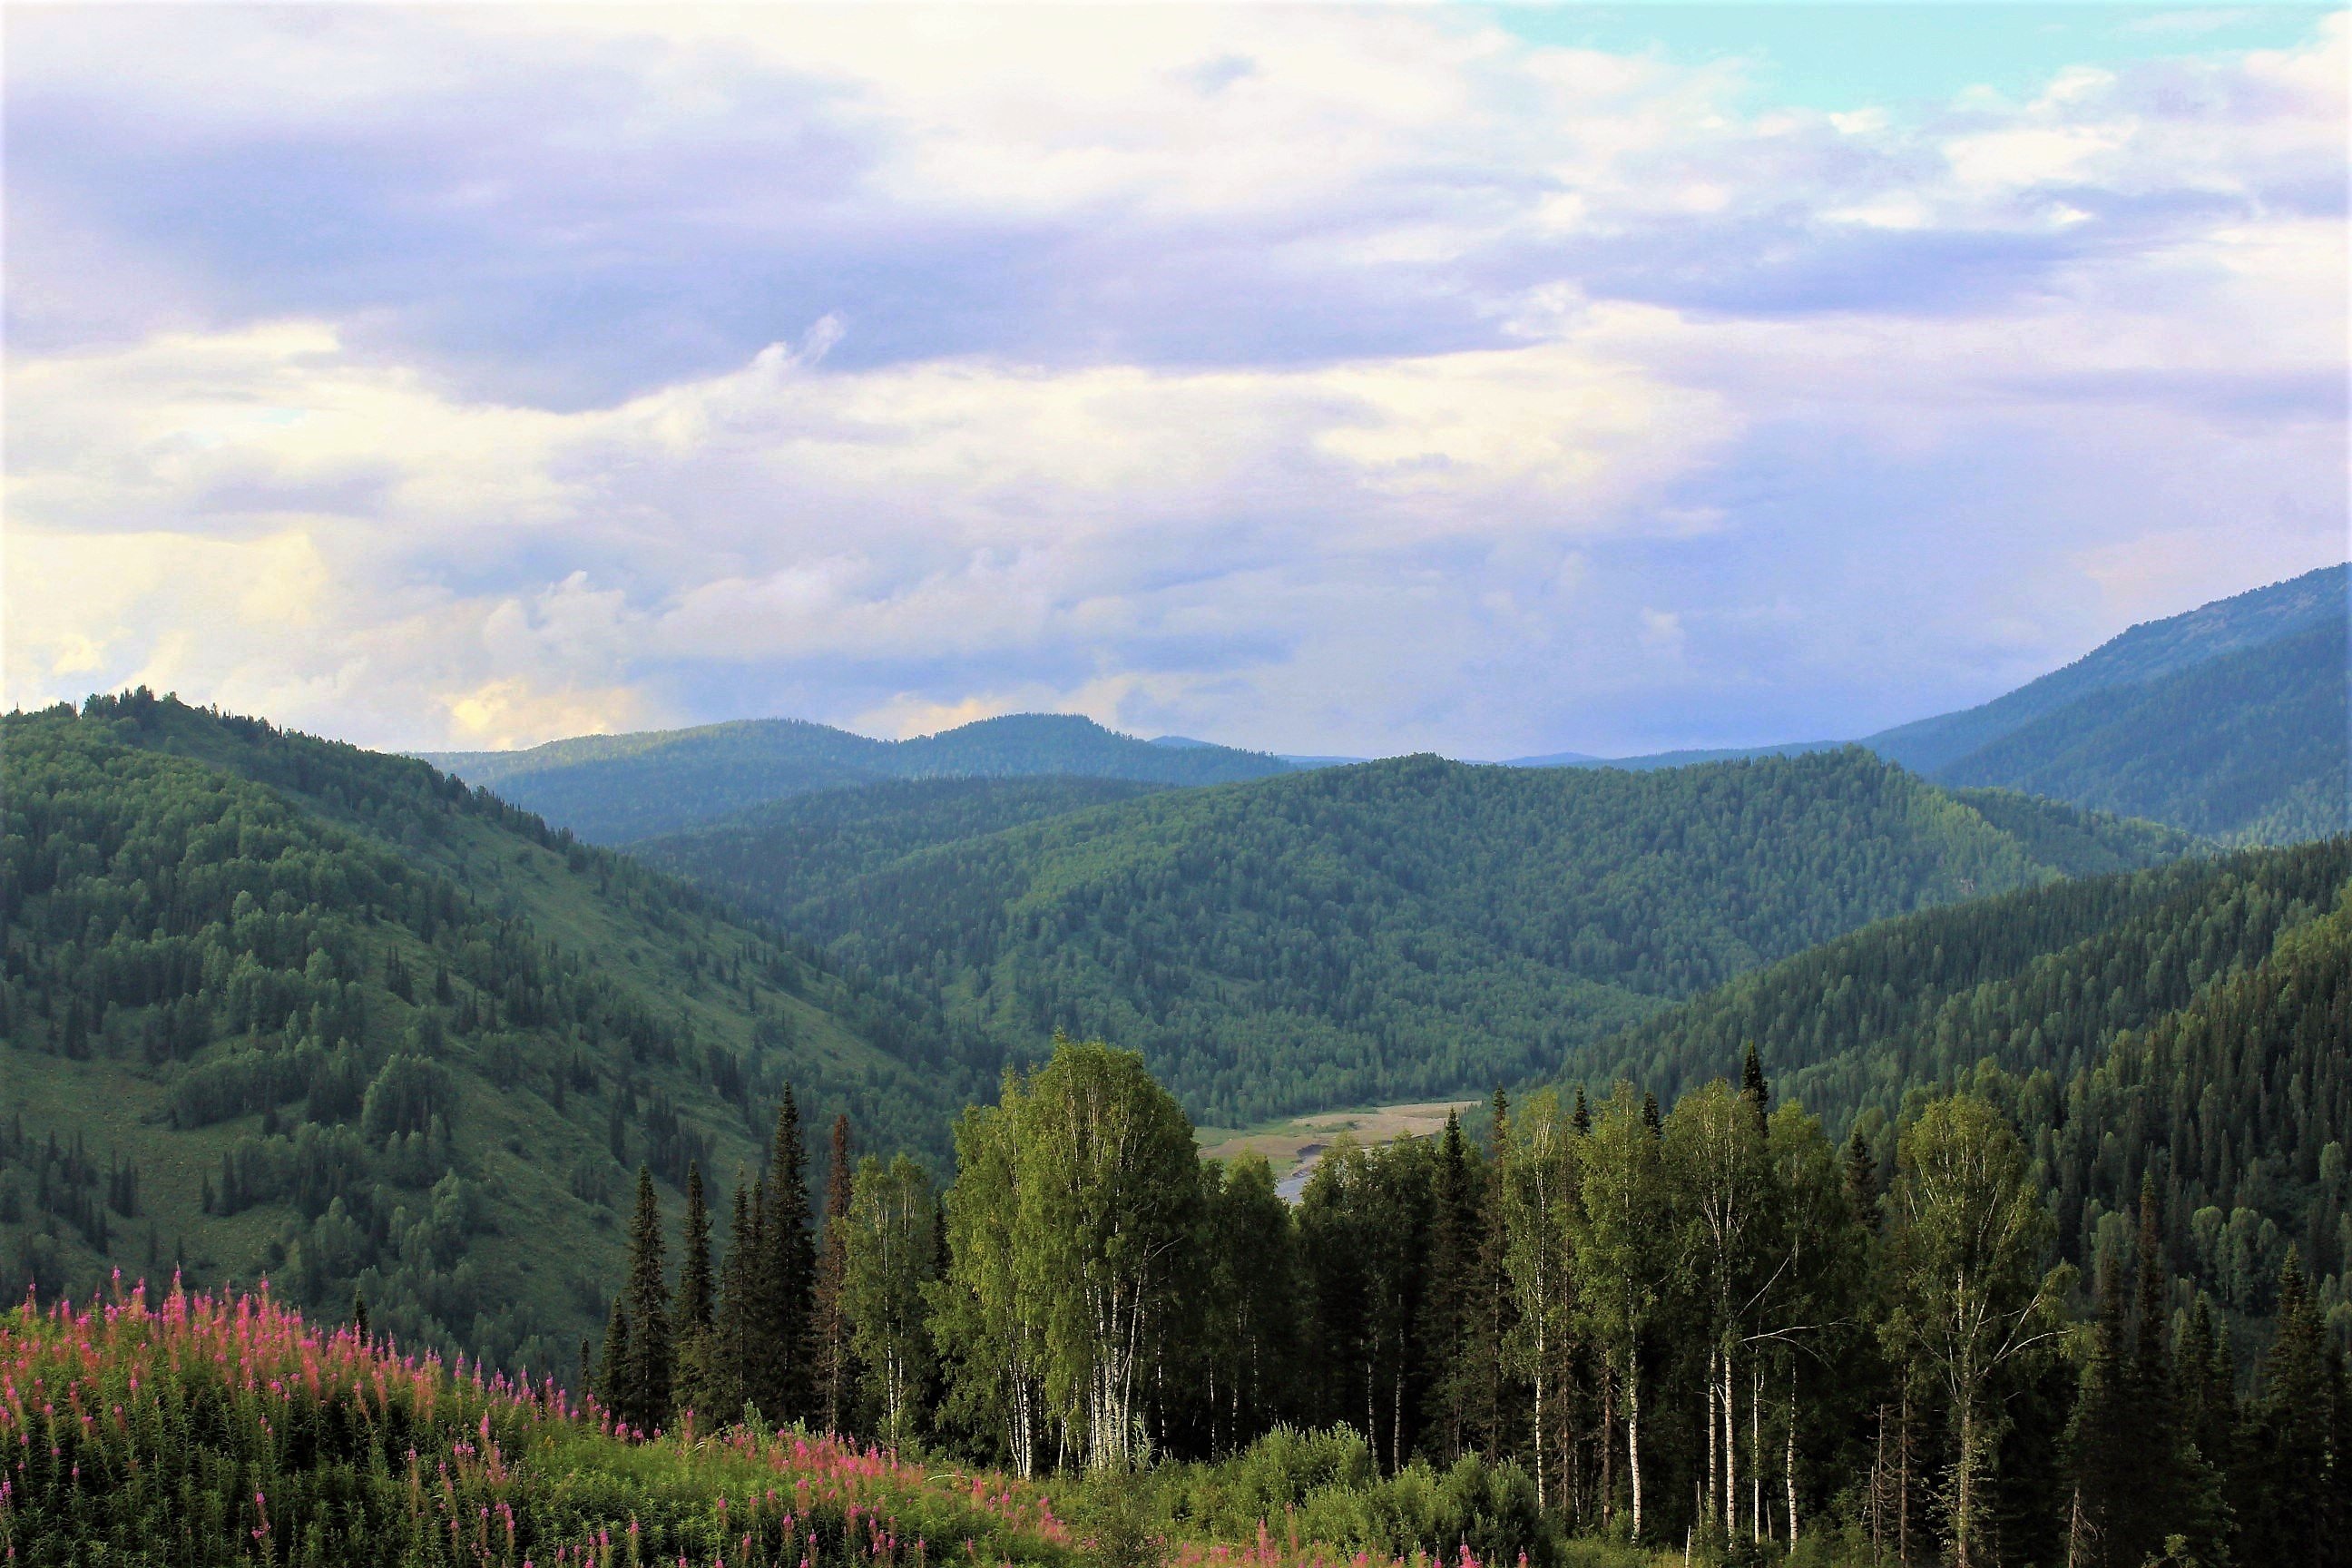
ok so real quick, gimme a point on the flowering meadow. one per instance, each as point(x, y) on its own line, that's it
point(210, 1429)
point(203, 1429)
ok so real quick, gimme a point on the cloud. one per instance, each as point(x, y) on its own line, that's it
point(1318, 380)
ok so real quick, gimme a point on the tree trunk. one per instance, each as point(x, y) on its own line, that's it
point(1730, 1454)
point(1714, 1440)
point(1789, 1457)
point(1608, 1444)
point(1633, 1436)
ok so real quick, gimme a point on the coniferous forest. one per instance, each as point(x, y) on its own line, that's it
point(2009, 1224)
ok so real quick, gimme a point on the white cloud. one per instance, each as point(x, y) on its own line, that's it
point(1316, 379)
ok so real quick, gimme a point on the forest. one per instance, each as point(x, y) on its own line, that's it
point(275, 1005)
point(1708, 1326)
point(1385, 931)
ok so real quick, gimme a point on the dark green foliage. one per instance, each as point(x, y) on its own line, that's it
point(620, 788)
point(2174, 1022)
point(328, 1016)
point(2251, 746)
point(778, 1373)
point(650, 1365)
point(2292, 1478)
point(1410, 927)
point(2146, 653)
point(775, 858)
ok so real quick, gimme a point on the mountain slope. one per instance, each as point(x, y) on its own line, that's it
point(618, 788)
point(1403, 928)
point(329, 1015)
point(2189, 1019)
point(2145, 652)
point(2251, 744)
point(774, 857)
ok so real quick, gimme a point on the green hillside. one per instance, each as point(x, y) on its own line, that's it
point(2253, 746)
point(2189, 1020)
point(777, 857)
point(272, 1004)
point(1401, 929)
point(2145, 652)
point(616, 789)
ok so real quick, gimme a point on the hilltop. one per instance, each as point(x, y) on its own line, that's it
point(618, 788)
point(278, 1004)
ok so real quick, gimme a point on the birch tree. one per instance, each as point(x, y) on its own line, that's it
point(890, 1258)
point(1624, 1252)
point(1969, 1236)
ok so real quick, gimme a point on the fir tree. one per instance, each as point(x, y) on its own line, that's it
point(734, 1330)
point(2100, 1440)
point(695, 1292)
point(360, 1318)
point(1753, 1089)
point(835, 1380)
point(1862, 1180)
point(780, 1358)
point(612, 1389)
point(650, 1362)
point(2289, 1469)
point(1448, 1274)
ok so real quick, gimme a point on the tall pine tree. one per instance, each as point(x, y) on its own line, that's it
point(650, 1359)
point(835, 1377)
point(779, 1357)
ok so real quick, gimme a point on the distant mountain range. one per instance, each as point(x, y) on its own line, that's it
point(2232, 721)
point(612, 789)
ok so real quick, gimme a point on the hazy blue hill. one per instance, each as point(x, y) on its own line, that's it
point(1403, 927)
point(619, 788)
point(2143, 653)
point(1683, 759)
point(350, 1021)
point(2250, 745)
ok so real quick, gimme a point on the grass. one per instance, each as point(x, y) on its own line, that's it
point(204, 1429)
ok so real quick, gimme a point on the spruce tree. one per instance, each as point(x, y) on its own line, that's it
point(651, 1363)
point(734, 1330)
point(1862, 1180)
point(780, 1358)
point(2162, 1511)
point(696, 1385)
point(2101, 1441)
point(611, 1388)
point(1753, 1089)
point(835, 1382)
point(2289, 1469)
point(1448, 1273)
point(694, 1293)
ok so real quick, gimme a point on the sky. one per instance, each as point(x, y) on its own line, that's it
point(1327, 379)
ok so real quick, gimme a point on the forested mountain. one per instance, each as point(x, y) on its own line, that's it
point(2252, 745)
point(613, 789)
point(777, 857)
point(2145, 653)
point(2232, 721)
point(272, 1004)
point(2187, 1023)
point(1396, 928)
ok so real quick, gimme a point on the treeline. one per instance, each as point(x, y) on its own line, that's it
point(2186, 1023)
point(1706, 1326)
point(1399, 928)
